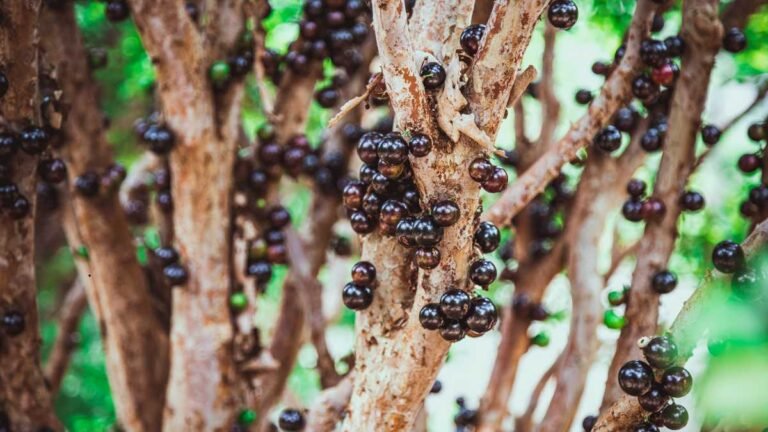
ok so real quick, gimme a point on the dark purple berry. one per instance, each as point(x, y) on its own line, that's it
point(563, 14)
point(664, 282)
point(446, 213)
point(430, 316)
point(674, 417)
point(660, 352)
point(471, 37)
point(728, 257)
point(635, 377)
point(734, 40)
point(13, 323)
point(291, 420)
point(175, 274)
point(608, 139)
point(356, 297)
point(482, 272)
point(487, 237)
point(420, 145)
point(454, 304)
point(433, 75)
point(363, 273)
point(676, 381)
point(482, 315)
point(452, 331)
point(654, 399)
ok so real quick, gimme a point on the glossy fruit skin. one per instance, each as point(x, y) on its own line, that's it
point(404, 232)
point(356, 297)
point(52, 170)
point(644, 88)
point(664, 74)
point(497, 182)
point(117, 10)
point(710, 135)
point(159, 139)
point(487, 237)
point(734, 40)
point(446, 213)
point(13, 323)
point(427, 258)
point(583, 97)
point(363, 273)
point(20, 208)
point(632, 210)
point(482, 315)
point(420, 145)
point(563, 14)
point(482, 272)
point(9, 144)
point(674, 417)
point(749, 163)
point(454, 304)
point(452, 331)
point(175, 274)
point(433, 75)
point(87, 184)
point(692, 201)
point(635, 377)
point(166, 255)
point(756, 131)
point(676, 381)
point(626, 119)
point(654, 399)
point(392, 149)
point(426, 232)
point(471, 37)
point(664, 282)
point(33, 139)
point(608, 139)
point(480, 169)
point(260, 270)
point(675, 46)
point(636, 188)
point(660, 352)
point(353, 195)
point(651, 140)
point(430, 316)
point(645, 427)
point(653, 52)
point(728, 257)
point(588, 423)
point(367, 147)
point(361, 223)
point(392, 212)
point(291, 420)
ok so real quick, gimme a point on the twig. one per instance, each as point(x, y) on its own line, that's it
point(614, 94)
point(69, 316)
point(686, 331)
point(354, 102)
point(617, 257)
point(702, 32)
point(524, 79)
point(312, 295)
point(525, 421)
point(550, 104)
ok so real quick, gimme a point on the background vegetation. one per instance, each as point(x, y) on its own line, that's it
point(84, 403)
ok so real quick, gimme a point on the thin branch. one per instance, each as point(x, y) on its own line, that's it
point(524, 423)
point(686, 331)
point(550, 104)
point(328, 410)
point(702, 31)
point(312, 295)
point(614, 94)
point(68, 320)
point(523, 80)
point(618, 256)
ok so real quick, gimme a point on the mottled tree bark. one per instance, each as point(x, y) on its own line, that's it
point(136, 348)
point(24, 397)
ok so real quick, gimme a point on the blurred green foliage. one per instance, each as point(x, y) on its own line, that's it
point(84, 403)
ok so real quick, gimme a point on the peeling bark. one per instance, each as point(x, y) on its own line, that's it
point(24, 397)
point(330, 407)
point(702, 32)
point(136, 349)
